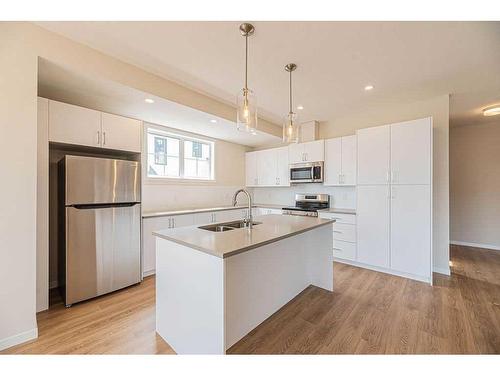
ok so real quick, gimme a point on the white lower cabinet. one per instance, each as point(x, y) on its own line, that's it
point(151, 224)
point(344, 235)
point(373, 224)
point(410, 229)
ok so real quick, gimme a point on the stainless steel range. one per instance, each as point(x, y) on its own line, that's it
point(308, 205)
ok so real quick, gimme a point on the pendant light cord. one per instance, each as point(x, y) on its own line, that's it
point(246, 64)
point(290, 92)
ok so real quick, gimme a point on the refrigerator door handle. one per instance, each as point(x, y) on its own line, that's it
point(94, 206)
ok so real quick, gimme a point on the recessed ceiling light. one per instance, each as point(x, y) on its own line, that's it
point(149, 100)
point(300, 107)
point(213, 121)
point(492, 111)
point(368, 87)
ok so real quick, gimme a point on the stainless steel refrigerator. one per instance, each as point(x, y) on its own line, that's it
point(99, 226)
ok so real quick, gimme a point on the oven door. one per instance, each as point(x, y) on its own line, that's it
point(300, 173)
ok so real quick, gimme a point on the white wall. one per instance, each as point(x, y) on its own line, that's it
point(475, 185)
point(18, 145)
point(387, 113)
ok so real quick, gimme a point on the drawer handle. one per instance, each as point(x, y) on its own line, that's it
point(337, 231)
point(337, 249)
point(336, 218)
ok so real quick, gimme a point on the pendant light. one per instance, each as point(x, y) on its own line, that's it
point(246, 118)
point(291, 120)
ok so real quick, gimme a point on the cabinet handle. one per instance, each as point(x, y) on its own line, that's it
point(392, 176)
point(337, 218)
point(337, 249)
point(387, 177)
point(337, 231)
point(104, 138)
point(98, 137)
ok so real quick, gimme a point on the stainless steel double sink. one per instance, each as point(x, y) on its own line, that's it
point(230, 225)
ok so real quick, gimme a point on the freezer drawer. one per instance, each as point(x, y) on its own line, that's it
point(90, 180)
point(103, 250)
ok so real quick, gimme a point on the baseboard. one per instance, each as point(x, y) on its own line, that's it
point(383, 270)
point(18, 339)
point(148, 273)
point(441, 270)
point(472, 244)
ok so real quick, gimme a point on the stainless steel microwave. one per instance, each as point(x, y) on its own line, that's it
point(306, 172)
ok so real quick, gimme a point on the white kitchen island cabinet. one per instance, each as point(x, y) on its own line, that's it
point(213, 288)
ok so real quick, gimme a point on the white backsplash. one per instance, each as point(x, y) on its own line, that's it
point(164, 197)
point(340, 196)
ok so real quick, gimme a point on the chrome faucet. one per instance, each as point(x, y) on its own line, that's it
point(248, 220)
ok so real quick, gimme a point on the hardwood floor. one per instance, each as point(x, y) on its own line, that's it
point(369, 312)
point(122, 322)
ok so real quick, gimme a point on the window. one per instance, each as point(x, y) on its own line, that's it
point(171, 155)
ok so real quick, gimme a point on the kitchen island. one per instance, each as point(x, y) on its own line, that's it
point(212, 288)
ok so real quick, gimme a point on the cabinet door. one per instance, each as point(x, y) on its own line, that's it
point(203, 218)
point(121, 133)
point(149, 225)
point(296, 153)
point(373, 155)
point(349, 157)
point(182, 221)
point(266, 168)
point(282, 166)
point(373, 225)
point(333, 161)
point(251, 169)
point(411, 229)
point(314, 151)
point(411, 152)
point(74, 125)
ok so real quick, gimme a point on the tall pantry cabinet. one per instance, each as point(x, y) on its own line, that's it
point(394, 198)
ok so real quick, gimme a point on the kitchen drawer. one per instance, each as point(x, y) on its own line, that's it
point(341, 218)
point(344, 250)
point(344, 232)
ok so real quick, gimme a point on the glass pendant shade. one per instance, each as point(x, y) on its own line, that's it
point(291, 128)
point(247, 112)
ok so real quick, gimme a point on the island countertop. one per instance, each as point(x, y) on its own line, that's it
point(232, 242)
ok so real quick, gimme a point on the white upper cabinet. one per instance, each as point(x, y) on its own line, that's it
point(306, 152)
point(283, 167)
point(74, 125)
point(374, 155)
point(340, 161)
point(349, 160)
point(251, 169)
point(296, 153)
point(267, 167)
point(411, 152)
point(333, 161)
point(85, 127)
point(121, 133)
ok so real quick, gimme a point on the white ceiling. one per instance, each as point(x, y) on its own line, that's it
point(59, 83)
point(405, 61)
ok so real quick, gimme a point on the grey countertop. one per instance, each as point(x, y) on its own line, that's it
point(200, 210)
point(334, 210)
point(225, 244)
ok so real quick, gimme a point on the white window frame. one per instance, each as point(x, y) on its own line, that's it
point(181, 136)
